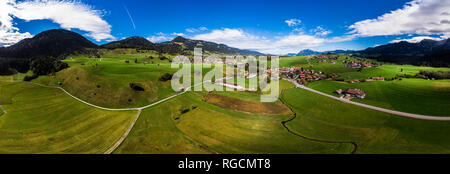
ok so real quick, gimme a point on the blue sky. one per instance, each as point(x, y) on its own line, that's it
point(278, 26)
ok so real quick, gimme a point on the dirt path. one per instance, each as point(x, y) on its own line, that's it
point(404, 114)
point(125, 135)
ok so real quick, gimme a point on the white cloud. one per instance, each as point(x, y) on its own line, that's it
point(159, 37)
point(423, 17)
point(8, 33)
point(418, 39)
point(68, 14)
point(177, 34)
point(240, 39)
point(193, 30)
point(319, 31)
point(293, 22)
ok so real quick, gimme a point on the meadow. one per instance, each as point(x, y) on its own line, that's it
point(46, 120)
point(427, 97)
point(373, 131)
point(207, 128)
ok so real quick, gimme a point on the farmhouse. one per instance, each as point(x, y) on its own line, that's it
point(354, 81)
point(351, 93)
point(378, 78)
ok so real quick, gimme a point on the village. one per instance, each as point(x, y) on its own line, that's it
point(301, 75)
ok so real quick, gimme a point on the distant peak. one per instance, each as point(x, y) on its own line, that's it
point(179, 39)
point(135, 37)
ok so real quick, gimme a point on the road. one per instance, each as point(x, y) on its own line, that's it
point(404, 114)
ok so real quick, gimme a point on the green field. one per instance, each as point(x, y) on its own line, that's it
point(46, 120)
point(418, 96)
point(106, 81)
point(211, 129)
point(373, 131)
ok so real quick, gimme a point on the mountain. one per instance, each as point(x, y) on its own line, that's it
point(186, 46)
point(56, 42)
point(426, 52)
point(309, 52)
point(340, 51)
point(46, 49)
point(131, 42)
point(178, 45)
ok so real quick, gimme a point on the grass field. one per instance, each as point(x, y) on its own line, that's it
point(408, 95)
point(106, 81)
point(45, 120)
point(211, 129)
point(373, 131)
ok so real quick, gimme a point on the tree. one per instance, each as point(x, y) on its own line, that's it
point(165, 77)
point(47, 65)
point(136, 87)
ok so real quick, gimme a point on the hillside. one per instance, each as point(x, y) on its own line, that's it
point(56, 42)
point(184, 45)
point(426, 52)
point(178, 45)
point(131, 42)
point(51, 44)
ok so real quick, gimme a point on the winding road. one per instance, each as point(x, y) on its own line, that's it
point(404, 114)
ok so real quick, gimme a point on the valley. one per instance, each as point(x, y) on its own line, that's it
point(121, 93)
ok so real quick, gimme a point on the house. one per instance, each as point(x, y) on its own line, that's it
point(334, 75)
point(378, 78)
point(354, 93)
point(367, 64)
point(354, 81)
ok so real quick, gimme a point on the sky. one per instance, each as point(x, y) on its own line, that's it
point(274, 27)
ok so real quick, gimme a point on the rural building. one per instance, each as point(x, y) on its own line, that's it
point(378, 78)
point(354, 81)
point(351, 93)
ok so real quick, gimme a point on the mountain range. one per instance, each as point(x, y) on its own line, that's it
point(178, 45)
point(427, 52)
point(59, 43)
point(309, 52)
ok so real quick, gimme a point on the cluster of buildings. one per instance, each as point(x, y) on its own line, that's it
point(350, 93)
point(375, 79)
point(356, 64)
point(326, 57)
point(368, 80)
point(301, 75)
point(209, 61)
